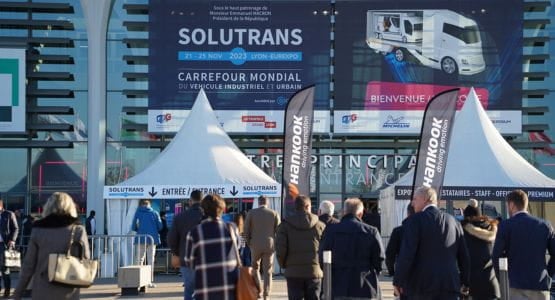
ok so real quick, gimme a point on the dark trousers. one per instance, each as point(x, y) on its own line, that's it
point(303, 288)
point(7, 280)
point(5, 271)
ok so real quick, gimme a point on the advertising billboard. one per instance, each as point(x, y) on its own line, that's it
point(250, 57)
point(393, 57)
point(12, 90)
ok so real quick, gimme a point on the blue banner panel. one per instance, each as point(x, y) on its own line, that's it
point(393, 56)
point(246, 55)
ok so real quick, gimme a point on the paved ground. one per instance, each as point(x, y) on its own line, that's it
point(170, 287)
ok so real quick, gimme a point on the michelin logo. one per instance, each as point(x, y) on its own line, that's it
point(395, 122)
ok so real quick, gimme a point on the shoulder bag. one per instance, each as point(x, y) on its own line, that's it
point(69, 270)
point(246, 288)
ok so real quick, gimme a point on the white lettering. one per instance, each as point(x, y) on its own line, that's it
point(240, 36)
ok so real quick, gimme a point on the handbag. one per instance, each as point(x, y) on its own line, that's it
point(246, 288)
point(12, 258)
point(69, 270)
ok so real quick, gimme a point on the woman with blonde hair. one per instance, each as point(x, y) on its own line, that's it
point(52, 234)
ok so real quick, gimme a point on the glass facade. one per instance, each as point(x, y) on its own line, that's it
point(52, 154)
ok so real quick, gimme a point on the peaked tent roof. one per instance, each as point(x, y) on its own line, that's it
point(480, 156)
point(203, 155)
point(481, 165)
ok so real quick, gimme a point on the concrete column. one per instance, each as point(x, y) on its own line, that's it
point(97, 14)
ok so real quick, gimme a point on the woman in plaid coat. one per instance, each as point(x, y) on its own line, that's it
point(209, 251)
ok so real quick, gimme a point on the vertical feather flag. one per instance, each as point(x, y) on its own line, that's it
point(435, 137)
point(297, 147)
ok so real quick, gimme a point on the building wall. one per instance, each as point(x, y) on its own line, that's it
point(52, 155)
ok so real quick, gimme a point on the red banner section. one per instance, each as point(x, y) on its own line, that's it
point(410, 96)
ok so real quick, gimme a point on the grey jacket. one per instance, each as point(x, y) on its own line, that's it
point(50, 235)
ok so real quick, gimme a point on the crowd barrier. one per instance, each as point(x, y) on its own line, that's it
point(163, 262)
point(114, 251)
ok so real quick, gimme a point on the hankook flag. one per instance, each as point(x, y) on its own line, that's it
point(435, 137)
point(297, 147)
point(543, 138)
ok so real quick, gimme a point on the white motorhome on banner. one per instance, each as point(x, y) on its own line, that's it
point(403, 27)
point(437, 38)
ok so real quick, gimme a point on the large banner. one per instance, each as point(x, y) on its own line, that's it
point(12, 90)
point(392, 57)
point(435, 138)
point(250, 57)
point(297, 148)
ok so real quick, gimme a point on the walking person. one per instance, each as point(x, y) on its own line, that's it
point(479, 234)
point(434, 260)
point(260, 229)
point(297, 243)
point(51, 234)
point(209, 251)
point(357, 254)
point(372, 216)
point(182, 224)
point(164, 231)
point(394, 245)
point(8, 235)
point(524, 240)
point(90, 223)
point(325, 212)
point(244, 250)
point(146, 222)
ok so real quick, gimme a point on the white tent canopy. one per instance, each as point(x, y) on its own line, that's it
point(481, 165)
point(201, 156)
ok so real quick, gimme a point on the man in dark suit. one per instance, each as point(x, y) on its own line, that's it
point(394, 245)
point(524, 240)
point(433, 261)
point(8, 234)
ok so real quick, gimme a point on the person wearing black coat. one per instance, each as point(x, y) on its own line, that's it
point(479, 234)
point(433, 263)
point(325, 212)
point(394, 244)
point(183, 223)
point(357, 254)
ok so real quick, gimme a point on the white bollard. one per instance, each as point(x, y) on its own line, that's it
point(504, 277)
point(327, 274)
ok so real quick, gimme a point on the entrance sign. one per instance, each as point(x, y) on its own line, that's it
point(184, 191)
